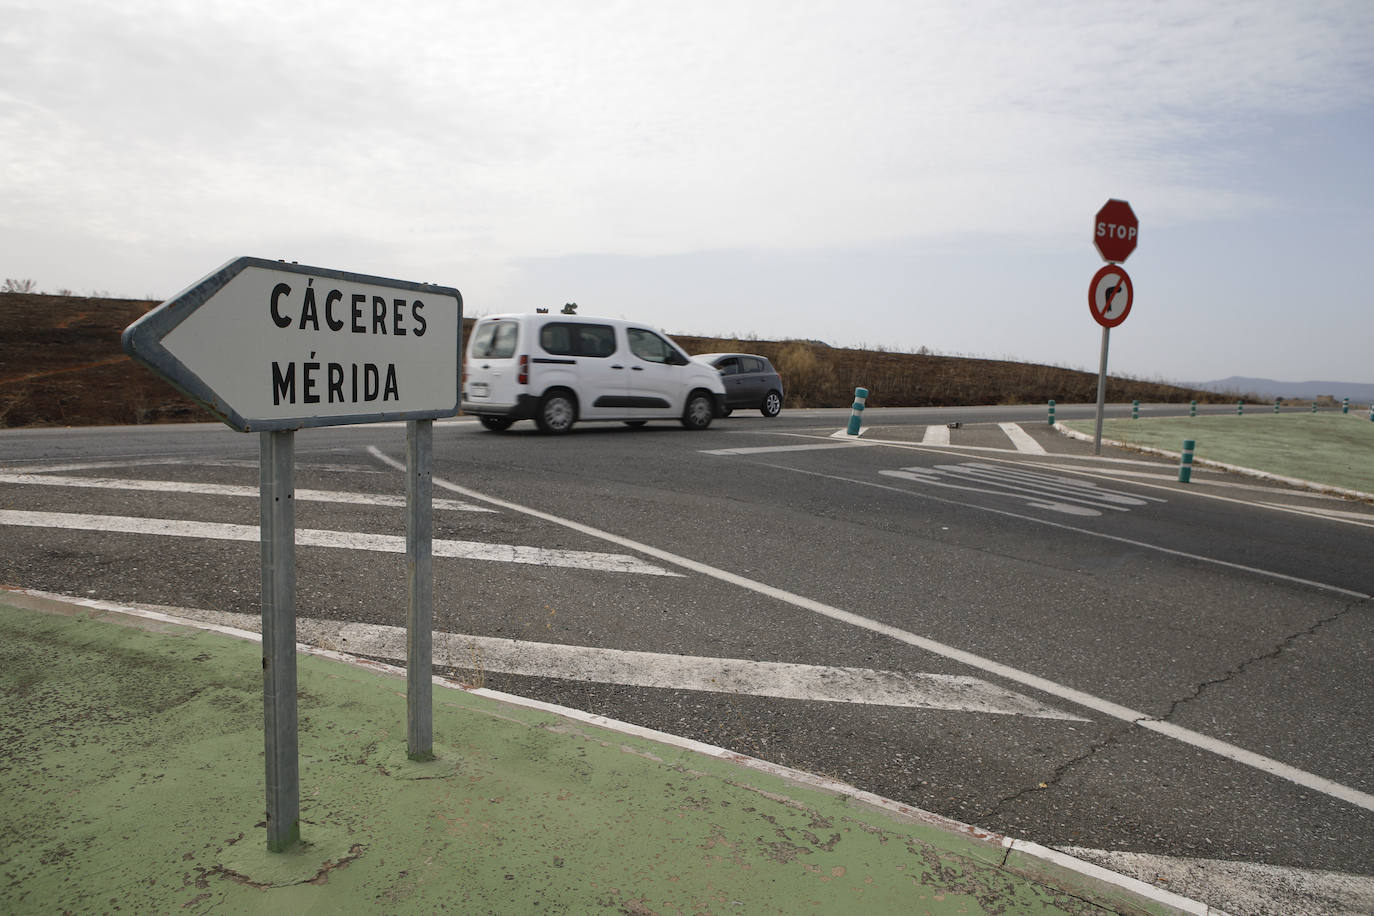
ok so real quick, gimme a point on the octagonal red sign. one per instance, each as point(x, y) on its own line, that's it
point(1115, 230)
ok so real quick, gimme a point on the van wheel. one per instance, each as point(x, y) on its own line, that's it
point(557, 413)
point(699, 411)
point(495, 424)
point(772, 405)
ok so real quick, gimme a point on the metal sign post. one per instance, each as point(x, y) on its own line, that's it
point(276, 473)
point(1111, 294)
point(271, 347)
point(419, 590)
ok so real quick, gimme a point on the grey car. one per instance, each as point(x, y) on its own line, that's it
point(750, 380)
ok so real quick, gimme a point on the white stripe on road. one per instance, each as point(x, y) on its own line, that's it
point(935, 435)
point(683, 672)
point(1022, 439)
point(346, 540)
point(220, 489)
point(762, 449)
point(1301, 777)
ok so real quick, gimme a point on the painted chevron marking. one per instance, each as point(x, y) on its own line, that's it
point(219, 489)
point(346, 540)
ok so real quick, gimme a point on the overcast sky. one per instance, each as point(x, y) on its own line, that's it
point(906, 174)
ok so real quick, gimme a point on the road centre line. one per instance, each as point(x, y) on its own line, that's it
point(1105, 707)
point(216, 489)
point(345, 540)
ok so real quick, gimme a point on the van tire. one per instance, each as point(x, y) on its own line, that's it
point(494, 423)
point(700, 410)
point(557, 412)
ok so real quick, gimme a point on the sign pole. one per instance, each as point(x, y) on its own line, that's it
point(278, 525)
point(420, 590)
point(1101, 389)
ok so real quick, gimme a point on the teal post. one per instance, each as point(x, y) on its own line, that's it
point(857, 414)
point(1345, 406)
point(1051, 411)
point(1314, 406)
point(1135, 410)
point(1240, 408)
point(1185, 463)
point(1192, 410)
point(1276, 405)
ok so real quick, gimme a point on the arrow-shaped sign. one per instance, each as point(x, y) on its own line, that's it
point(267, 345)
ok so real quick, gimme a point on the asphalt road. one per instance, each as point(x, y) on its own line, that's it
point(1077, 651)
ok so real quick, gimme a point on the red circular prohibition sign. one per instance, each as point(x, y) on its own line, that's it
point(1110, 296)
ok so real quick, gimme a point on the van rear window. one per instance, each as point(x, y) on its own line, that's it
point(495, 340)
point(563, 338)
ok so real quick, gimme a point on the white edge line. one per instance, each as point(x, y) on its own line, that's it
point(799, 777)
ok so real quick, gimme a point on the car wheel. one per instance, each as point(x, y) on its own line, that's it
point(635, 424)
point(699, 410)
point(557, 413)
point(772, 405)
point(495, 424)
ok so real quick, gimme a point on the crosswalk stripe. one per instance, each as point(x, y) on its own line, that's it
point(346, 540)
point(221, 489)
point(1022, 439)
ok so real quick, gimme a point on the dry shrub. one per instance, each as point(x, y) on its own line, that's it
point(808, 376)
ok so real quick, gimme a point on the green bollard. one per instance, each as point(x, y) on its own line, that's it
point(1240, 408)
point(856, 415)
point(1276, 405)
point(1192, 410)
point(1314, 406)
point(1185, 464)
point(1051, 411)
point(1135, 410)
point(1345, 406)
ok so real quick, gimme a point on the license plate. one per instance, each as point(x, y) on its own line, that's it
point(480, 389)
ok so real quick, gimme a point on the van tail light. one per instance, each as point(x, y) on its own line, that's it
point(524, 376)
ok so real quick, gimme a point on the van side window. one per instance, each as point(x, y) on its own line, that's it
point(495, 340)
point(648, 346)
point(563, 338)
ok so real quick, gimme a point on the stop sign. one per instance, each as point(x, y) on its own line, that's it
point(1115, 230)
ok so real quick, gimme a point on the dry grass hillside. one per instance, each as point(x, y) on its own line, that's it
point(61, 365)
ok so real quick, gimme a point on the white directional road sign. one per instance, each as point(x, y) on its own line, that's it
point(266, 345)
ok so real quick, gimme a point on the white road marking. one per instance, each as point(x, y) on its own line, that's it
point(935, 435)
point(1105, 707)
point(681, 672)
point(1243, 887)
point(217, 489)
point(1022, 439)
point(762, 449)
point(346, 540)
point(1066, 495)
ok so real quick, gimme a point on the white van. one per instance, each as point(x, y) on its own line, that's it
point(557, 369)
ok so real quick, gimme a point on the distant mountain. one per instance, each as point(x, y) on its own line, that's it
point(1269, 388)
